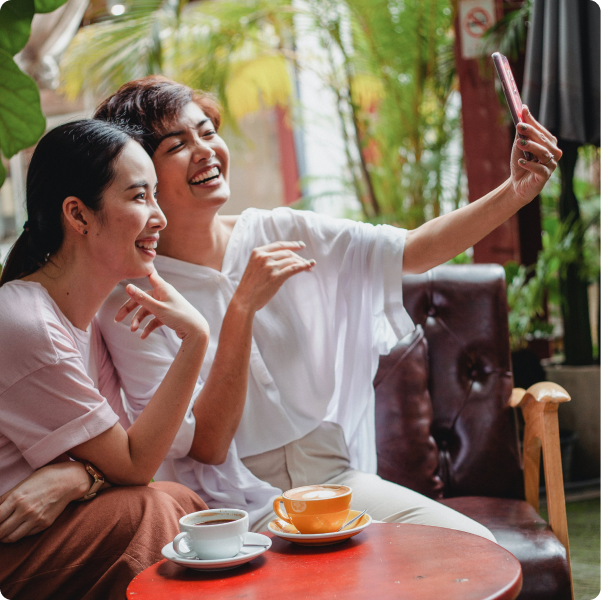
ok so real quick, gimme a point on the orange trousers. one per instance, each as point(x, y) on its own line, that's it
point(94, 549)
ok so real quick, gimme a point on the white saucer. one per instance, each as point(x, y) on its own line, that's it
point(289, 532)
point(260, 542)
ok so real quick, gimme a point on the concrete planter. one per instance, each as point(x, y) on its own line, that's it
point(582, 414)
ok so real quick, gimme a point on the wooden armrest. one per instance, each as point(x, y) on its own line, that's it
point(543, 392)
point(539, 404)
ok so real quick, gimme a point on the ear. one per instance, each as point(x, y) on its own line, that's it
point(76, 214)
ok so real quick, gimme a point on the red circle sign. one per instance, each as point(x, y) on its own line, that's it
point(476, 22)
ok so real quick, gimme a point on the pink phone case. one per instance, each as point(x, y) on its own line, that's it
point(512, 95)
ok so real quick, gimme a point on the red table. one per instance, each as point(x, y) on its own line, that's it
point(385, 561)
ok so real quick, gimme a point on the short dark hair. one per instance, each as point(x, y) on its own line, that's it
point(75, 159)
point(151, 103)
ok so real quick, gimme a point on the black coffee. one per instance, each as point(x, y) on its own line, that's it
point(218, 522)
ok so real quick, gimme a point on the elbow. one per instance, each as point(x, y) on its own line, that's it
point(217, 458)
point(129, 479)
point(208, 456)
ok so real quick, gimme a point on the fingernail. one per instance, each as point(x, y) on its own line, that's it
point(522, 161)
point(525, 109)
point(301, 244)
point(312, 262)
point(523, 127)
point(523, 142)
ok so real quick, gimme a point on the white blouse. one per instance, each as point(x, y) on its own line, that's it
point(315, 347)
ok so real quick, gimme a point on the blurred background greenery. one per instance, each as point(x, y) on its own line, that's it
point(391, 68)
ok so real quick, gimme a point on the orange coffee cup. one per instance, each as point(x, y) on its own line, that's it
point(315, 508)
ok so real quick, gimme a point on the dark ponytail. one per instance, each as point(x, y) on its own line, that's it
point(75, 159)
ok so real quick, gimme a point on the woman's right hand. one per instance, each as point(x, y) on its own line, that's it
point(268, 268)
point(167, 305)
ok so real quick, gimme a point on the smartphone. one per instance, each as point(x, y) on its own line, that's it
point(511, 93)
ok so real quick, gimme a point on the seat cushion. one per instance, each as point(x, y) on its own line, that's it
point(519, 529)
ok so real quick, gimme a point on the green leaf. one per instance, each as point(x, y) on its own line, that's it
point(21, 120)
point(15, 25)
point(2, 174)
point(46, 6)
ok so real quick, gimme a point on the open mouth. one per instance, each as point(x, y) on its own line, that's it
point(206, 176)
point(147, 246)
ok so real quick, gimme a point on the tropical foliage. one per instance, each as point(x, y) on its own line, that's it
point(21, 120)
point(391, 70)
point(534, 291)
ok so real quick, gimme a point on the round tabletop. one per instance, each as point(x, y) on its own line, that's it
point(386, 560)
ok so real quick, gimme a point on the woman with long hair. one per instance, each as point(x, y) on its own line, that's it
point(93, 221)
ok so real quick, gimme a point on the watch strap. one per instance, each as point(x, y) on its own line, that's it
point(97, 483)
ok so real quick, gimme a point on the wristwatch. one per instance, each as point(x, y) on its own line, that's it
point(98, 478)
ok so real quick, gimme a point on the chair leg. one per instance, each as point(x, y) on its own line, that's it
point(539, 406)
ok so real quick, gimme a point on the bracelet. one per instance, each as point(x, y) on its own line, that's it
point(98, 482)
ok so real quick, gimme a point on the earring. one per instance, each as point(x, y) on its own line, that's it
point(85, 232)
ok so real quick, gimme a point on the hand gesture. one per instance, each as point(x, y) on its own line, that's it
point(268, 268)
point(167, 305)
point(529, 177)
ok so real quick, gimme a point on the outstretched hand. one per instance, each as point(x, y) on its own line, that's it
point(529, 177)
point(167, 306)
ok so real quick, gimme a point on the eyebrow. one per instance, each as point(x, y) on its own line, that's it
point(138, 184)
point(181, 131)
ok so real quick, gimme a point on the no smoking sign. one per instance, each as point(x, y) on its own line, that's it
point(475, 18)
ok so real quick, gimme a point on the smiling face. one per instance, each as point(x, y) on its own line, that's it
point(192, 164)
point(124, 234)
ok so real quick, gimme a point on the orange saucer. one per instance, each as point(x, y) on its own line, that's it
point(289, 532)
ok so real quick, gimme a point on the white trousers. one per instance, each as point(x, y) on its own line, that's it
point(322, 457)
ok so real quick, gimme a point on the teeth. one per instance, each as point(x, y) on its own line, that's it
point(147, 245)
point(214, 172)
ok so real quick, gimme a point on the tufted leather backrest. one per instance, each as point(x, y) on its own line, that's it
point(462, 310)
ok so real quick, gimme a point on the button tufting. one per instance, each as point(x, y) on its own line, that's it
point(431, 311)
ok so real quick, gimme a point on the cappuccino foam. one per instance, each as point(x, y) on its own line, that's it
point(316, 492)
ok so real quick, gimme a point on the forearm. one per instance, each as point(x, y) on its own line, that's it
point(70, 477)
point(443, 238)
point(148, 442)
point(133, 457)
point(219, 406)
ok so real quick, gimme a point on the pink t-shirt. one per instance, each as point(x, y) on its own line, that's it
point(58, 386)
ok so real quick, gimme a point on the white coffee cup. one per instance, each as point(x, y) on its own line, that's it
point(210, 538)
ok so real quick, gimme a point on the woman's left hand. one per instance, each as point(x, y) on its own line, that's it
point(529, 177)
point(35, 503)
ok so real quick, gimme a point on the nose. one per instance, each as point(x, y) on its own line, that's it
point(157, 220)
point(202, 150)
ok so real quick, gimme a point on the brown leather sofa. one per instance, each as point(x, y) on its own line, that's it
point(447, 426)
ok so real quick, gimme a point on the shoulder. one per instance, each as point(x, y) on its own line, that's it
point(30, 331)
point(285, 221)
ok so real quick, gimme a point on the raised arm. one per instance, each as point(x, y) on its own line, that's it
point(443, 238)
point(132, 457)
point(219, 406)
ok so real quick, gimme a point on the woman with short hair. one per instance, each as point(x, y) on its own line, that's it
point(285, 397)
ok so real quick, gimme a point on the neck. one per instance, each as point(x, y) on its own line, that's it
point(77, 285)
point(200, 241)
